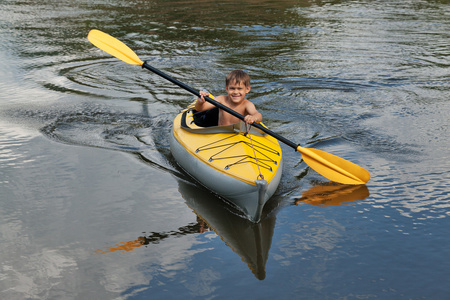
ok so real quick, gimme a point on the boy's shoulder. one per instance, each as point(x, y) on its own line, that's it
point(221, 98)
point(248, 102)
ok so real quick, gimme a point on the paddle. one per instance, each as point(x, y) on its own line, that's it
point(328, 165)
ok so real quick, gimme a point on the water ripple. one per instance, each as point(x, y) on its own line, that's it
point(10, 140)
point(141, 135)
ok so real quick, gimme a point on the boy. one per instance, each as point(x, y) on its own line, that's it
point(237, 85)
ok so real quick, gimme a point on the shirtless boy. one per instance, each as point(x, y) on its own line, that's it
point(237, 85)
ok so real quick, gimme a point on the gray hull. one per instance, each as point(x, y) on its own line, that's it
point(250, 199)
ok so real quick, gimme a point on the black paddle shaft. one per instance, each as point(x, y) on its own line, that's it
point(219, 105)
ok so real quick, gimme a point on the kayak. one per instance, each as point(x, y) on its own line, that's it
point(328, 165)
point(239, 164)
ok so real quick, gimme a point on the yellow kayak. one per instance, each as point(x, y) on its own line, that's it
point(239, 165)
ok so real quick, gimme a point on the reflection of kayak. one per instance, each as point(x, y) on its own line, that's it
point(249, 240)
point(222, 158)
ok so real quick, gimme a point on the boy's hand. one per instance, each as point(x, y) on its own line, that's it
point(249, 119)
point(202, 95)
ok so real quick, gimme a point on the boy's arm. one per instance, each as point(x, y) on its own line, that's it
point(201, 103)
point(252, 114)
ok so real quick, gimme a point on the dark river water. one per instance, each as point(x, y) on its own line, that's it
point(93, 206)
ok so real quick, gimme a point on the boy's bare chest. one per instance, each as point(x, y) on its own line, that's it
point(226, 118)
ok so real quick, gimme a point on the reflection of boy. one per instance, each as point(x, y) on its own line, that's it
point(237, 85)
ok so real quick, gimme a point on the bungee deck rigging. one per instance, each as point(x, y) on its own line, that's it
point(265, 162)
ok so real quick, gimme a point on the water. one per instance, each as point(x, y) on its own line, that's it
point(93, 205)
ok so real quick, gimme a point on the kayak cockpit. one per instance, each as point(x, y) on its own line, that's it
point(206, 122)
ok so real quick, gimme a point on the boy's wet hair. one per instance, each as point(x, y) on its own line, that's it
point(238, 76)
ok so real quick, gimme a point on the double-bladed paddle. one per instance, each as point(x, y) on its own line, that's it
point(328, 165)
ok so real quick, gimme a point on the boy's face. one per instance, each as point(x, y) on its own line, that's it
point(237, 91)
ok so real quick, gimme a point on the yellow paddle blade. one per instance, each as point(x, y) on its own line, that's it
point(114, 47)
point(333, 167)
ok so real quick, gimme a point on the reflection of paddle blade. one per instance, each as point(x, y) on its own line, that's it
point(155, 238)
point(322, 195)
point(123, 247)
